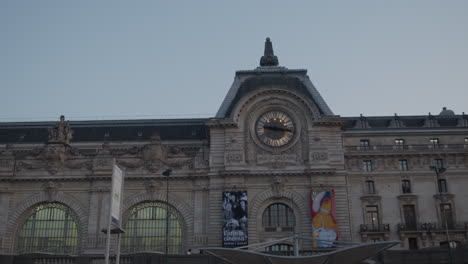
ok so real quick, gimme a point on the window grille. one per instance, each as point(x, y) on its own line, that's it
point(278, 215)
point(146, 229)
point(51, 228)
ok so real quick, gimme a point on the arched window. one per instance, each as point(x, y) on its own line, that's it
point(146, 229)
point(278, 217)
point(51, 228)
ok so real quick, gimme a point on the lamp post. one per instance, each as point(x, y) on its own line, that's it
point(439, 170)
point(167, 173)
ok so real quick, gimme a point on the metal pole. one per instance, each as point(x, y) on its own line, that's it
point(117, 255)
point(296, 246)
point(167, 173)
point(167, 217)
point(109, 222)
point(448, 238)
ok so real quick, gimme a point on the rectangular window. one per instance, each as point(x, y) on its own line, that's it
point(367, 165)
point(442, 185)
point(447, 215)
point(466, 140)
point(403, 165)
point(370, 187)
point(439, 163)
point(409, 214)
point(412, 243)
point(364, 144)
point(372, 216)
point(406, 186)
point(434, 142)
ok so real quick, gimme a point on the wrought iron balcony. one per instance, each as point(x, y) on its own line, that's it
point(408, 148)
point(375, 228)
point(431, 227)
point(403, 227)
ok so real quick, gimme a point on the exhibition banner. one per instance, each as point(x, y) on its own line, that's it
point(323, 215)
point(116, 194)
point(235, 219)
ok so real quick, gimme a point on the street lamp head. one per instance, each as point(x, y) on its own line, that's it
point(437, 169)
point(167, 172)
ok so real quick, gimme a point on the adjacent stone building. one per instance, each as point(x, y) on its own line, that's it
point(274, 161)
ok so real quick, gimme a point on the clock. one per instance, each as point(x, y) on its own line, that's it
point(275, 128)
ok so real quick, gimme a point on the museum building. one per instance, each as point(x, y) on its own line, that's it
point(274, 162)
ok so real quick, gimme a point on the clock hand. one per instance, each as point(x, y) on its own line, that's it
point(277, 128)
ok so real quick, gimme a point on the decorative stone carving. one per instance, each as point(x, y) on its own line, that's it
point(153, 153)
point(233, 158)
point(277, 159)
point(233, 143)
point(53, 157)
point(103, 160)
point(318, 157)
point(154, 156)
point(50, 189)
point(61, 132)
point(6, 158)
point(56, 153)
point(277, 187)
point(152, 186)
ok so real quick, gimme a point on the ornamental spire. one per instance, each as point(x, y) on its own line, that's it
point(268, 59)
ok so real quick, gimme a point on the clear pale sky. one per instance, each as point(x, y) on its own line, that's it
point(177, 59)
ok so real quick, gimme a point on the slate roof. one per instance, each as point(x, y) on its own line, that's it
point(195, 129)
point(110, 130)
point(408, 122)
point(246, 81)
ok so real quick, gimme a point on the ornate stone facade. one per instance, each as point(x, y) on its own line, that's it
point(365, 160)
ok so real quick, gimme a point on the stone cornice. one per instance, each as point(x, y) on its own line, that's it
point(307, 172)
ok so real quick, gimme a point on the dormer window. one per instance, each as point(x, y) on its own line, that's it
point(399, 142)
point(434, 142)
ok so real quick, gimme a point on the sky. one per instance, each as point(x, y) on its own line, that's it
point(177, 59)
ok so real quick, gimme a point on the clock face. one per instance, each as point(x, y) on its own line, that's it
point(275, 128)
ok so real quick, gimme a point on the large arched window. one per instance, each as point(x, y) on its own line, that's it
point(51, 228)
point(278, 217)
point(146, 229)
